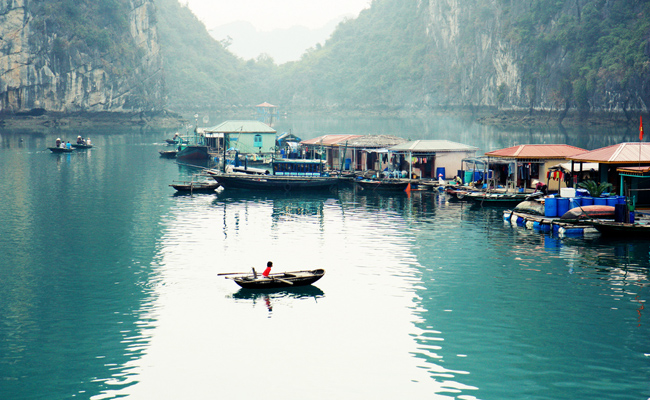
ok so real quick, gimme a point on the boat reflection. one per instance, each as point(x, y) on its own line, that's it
point(277, 296)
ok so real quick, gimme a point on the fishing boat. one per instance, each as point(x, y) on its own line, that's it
point(82, 145)
point(192, 152)
point(383, 184)
point(281, 280)
point(195, 187)
point(61, 149)
point(287, 175)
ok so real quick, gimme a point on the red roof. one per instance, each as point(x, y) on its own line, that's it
point(623, 153)
point(329, 140)
point(538, 151)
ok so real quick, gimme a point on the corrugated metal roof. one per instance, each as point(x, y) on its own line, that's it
point(432, 145)
point(622, 153)
point(241, 127)
point(539, 151)
point(376, 141)
point(329, 140)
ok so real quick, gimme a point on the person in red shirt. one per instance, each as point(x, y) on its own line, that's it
point(267, 271)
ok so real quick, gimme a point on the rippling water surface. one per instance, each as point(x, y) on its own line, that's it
point(110, 289)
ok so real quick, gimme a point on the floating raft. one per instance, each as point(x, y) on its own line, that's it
point(555, 226)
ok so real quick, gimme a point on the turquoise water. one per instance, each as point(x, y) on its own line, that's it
point(110, 289)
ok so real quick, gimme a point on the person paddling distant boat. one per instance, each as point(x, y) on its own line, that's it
point(267, 271)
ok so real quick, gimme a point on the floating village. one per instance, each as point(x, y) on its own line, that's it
point(554, 188)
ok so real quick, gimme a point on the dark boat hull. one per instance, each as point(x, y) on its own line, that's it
point(274, 281)
point(168, 153)
point(394, 186)
point(622, 229)
point(279, 183)
point(196, 187)
point(193, 152)
point(60, 150)
point(82, 146)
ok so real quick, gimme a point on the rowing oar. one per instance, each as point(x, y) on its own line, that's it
point(235, 273)
point(282, 280)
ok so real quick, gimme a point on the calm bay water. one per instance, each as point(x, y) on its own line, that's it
point(110, 287)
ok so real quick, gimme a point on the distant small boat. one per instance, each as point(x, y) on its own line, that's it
point(167, 153)
point(81, 145)
point(195, 187)
point(60, 150)
point(384, 184)
point(285, 279)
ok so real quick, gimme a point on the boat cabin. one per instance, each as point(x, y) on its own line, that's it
point(293, 167)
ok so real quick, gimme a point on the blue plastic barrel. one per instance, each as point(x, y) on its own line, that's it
point(562, 206)
point(441, 171)
point(587, 201)
point(550, 207)
point(619, 212)
point(620, 199)
point(574, 202)
point(612, 201)
point(600, 201)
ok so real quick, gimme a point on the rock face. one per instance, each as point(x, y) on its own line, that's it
point(481, 58)
point(39, 68)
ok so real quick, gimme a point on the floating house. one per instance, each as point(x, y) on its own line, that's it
point(524, 165)
point(428, 159)
point(247, 137)
point(624, 165)
point(352, 152)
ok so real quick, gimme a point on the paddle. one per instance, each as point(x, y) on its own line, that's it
point(282, 280)
point(234, 273)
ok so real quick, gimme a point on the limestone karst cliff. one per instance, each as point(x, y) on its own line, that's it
point(79, 56)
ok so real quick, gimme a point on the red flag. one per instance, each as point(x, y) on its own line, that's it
point(640, 128)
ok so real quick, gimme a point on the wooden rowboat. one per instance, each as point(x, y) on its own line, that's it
point(60, 150)
point(285, 279)
point(196, 187)
point(386, 184)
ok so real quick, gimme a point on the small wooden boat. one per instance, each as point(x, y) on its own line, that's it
point(60, 150)
point(496, 198)
point(167, 153)
point(195, 187)
point(587, 212)
point(285, 279)
point(622, 229)
point(81, 145)
point(384, 184)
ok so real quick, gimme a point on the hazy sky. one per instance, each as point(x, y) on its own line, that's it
point(273, 14)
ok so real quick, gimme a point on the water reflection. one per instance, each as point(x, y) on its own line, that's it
point(281, 297)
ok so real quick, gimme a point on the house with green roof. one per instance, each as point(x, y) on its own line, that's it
point(248, 137)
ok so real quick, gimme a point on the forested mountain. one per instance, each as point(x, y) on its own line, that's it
point(413, 55)
point(538, 54)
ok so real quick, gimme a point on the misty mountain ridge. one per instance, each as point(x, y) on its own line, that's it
point(283, 45)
